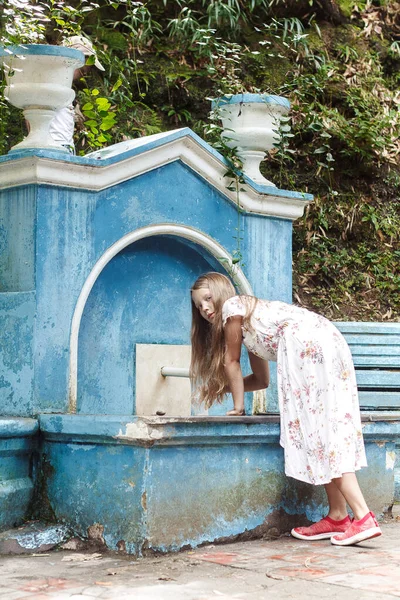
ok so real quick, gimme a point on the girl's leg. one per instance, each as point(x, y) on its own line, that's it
point(364, 526)
point(337, 525)
point(336, 521)
point(337, 502)
point(347, 486)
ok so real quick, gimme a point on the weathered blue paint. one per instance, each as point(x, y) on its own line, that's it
point(134, 282)
point(65, 218)
point(181, 482)
point(162, 483)
point(141, 313)
point(18, 443)
point(32, 538)
point(17, 239)
point(17, 313)
point(168, 473)
point(105, 486)
point(198, 496)
point(269, 271)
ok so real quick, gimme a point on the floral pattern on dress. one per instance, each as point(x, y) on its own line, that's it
point(295, 433)
point(312, 352)
point(342, 369)
point(321, 429)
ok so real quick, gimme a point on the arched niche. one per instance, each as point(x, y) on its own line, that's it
point(137, 292)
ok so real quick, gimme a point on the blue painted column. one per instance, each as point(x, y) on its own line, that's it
point(268, 243)
point(268, 266)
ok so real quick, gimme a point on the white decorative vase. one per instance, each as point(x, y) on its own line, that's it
point(250, 124)
point(39, 80)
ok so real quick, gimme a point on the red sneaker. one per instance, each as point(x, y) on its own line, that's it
point(322, 530)
point(359, 531)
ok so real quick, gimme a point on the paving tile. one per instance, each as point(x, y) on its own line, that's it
point(260, 569)
point(303, 557)
point(298, 572)
point(96, 591)
point(13, 594)
point(382, 579)
point(223, 558)
point(64, 594)
point(80, 597)
point(49, 584)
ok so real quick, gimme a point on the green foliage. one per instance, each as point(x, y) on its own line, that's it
point(137, 22)
point(34, 21)
point(22, 21)
point(100, 118)
point(165, 60)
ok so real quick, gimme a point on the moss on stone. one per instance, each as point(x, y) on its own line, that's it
point(41, 507)
point(114, 40)
point(347, 6)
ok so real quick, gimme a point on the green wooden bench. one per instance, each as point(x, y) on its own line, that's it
point(376, 354)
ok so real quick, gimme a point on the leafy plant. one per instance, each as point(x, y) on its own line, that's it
point(100, 118)
point(23, 22)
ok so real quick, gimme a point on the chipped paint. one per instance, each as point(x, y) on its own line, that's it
point(83, 448)
point(95, 533)
point(140, 431)
point(390, 459)
point(129, 482)
point(48, 537)
point(202, 480)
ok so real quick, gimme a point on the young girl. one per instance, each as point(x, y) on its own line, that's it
point(320, 419)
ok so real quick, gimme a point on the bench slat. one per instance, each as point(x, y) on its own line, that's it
point(379, 401)
point(376, 362)
point(383, 379)
point(367, 328)
point(376, 351)
point(372, 340)
point(375, 348)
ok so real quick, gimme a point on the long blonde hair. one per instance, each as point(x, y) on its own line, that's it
point(207, 370)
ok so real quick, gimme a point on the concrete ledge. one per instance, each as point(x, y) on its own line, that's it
point(150, 431)
point(18, 427)
point(195, 430)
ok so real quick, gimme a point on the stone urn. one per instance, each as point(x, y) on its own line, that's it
point(250, 124)
point(39, 80)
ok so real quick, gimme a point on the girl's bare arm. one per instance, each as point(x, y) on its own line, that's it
point(233, 346)
point(258, 380)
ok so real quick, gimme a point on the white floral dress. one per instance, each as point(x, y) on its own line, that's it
point(318, 400)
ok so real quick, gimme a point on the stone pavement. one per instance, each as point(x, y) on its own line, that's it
point(282, 569)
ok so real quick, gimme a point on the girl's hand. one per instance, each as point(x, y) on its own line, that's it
point(236, 412)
